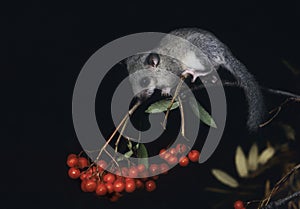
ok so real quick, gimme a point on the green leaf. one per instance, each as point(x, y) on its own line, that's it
point(201, 113)
point(128, 154)
point(129, 145)
point(142, 155)
point(161, 106)
point(120, 158)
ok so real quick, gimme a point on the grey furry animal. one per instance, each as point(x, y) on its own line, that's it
point(195, 52)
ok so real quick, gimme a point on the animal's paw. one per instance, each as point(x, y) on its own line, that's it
point(166, 91)
point(195, 74)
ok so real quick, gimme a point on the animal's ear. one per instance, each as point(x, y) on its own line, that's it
point(129, 60)
point(123, 62)
point(153, 59)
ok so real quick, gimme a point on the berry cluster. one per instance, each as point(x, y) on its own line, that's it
point(103, 183)
point(95, 178)
point(175, 155)
point(239, 205)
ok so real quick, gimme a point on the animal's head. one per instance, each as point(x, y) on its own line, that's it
point(150, 71)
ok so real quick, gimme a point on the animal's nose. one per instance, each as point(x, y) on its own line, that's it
point(144, 82)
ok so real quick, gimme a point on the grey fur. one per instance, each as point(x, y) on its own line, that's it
point(212, 55)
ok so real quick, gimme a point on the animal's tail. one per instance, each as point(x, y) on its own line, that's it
point(256, 111)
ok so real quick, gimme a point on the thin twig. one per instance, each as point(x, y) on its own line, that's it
point(113, 159)
point(218, 84)
point(182, 118)
point(118, 127)
point(280, 92)
point(292, 205)
point(279, 108)
point(218, 190)
point(292, 97)
point(278, 203)
point(278, 184)
point(172, 101)
point(120, 135)
point(272, 118)
point(80, 153)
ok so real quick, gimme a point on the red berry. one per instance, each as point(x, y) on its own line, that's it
point(110, 187)
point(83, 162)
point(150, 185)
point(119, 186)
point(88, 175)
point(144, 175)
point(118, 194)
point(114, 198)
point(72, 162)
point(91, 176)
point(102, 164)
point(162, 153)
point(173, 151)
point(172, 160)
point(83, 176)
point(181, 148)
point(100, 169)
point(153, 169)
point(155, 177)
point(74, 173)
point(167, 155)
point(141, 168)
point(101, 189)
point(164, 168)
point(109, 178)
point(238, 204)
point(184, 161)
point(71, 156)
point(133, 172)
point(83, 183)
point(118, 174)
point(124, 171)
point(194, 155)
point(95, 169)
point(90, 185)
point(128, 179)
point(89, 171)
point(130, 186)
point(139, 184)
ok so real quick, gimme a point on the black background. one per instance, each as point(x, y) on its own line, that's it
point(46, 44)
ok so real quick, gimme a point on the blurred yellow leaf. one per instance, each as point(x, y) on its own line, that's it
point(225, 178)
point(267, 188)
point(266, 155)
point(289, 131)
point(241, 162)
point(291, 68)
point(253, 157)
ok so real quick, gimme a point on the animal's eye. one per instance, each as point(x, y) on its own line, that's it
point(144, 82)
point(153, 60)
